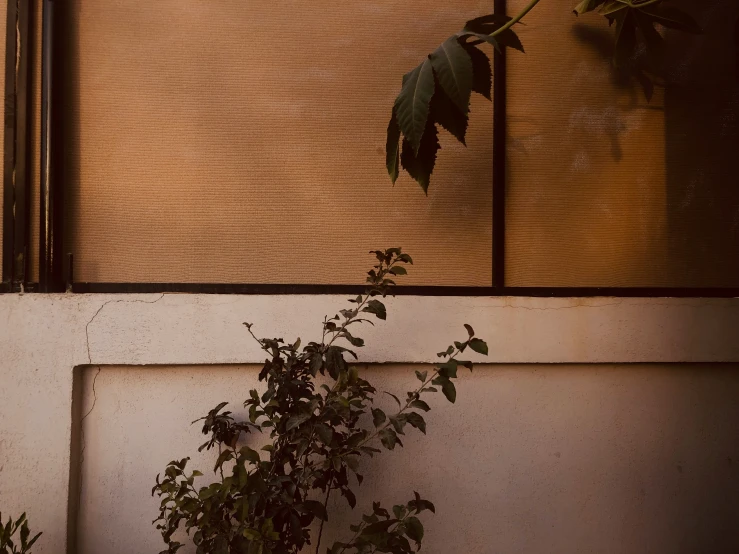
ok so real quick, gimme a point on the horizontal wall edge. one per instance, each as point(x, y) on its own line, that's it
point(174, 329)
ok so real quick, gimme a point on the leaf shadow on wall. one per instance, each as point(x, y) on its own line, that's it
point(701, 122)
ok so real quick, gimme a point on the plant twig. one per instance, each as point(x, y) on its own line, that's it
point(325, 509)
point(515, 19)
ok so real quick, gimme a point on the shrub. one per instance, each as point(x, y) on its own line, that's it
point(318, 411)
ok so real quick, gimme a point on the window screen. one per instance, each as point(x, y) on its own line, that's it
point(226, 141)
point(605, 189)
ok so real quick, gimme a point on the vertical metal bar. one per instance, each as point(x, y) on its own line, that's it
point(9, 147)
point(23, 91)
point(51, 262)
point(499, 158)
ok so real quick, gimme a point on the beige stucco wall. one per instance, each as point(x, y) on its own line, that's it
point(555, 459)
point(533, 458)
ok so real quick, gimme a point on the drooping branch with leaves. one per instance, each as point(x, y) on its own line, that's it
point(437, 92)
point(319, 413)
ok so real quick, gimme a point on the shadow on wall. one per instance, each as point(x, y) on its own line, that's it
point(701, 107)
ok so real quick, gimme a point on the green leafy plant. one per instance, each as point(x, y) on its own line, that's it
point(20, 526)
point(319, 413)
point(437, 92)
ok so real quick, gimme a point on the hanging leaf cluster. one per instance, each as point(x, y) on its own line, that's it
point(320, 417)
point(437, 92)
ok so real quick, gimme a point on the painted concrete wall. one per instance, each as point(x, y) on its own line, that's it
point(592, 457)
point(555, 459)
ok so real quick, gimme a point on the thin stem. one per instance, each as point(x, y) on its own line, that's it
point(516, 19)
point(415, 395)
point(325, 508)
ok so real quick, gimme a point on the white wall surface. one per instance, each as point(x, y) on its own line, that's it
point(614, 428)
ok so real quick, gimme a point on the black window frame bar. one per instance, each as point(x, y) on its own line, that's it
point(52, 211)
point(16, 152)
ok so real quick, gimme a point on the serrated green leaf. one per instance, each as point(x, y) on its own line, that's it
point(453, 68)
point(482, 75)
point(448, 115)
point(412, 105)
point(420, 165)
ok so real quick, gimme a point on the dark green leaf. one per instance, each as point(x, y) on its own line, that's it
point(379, 527)
point(482, 75)
point(392, 148)
point(378, 417)
point(651, 36)
point(479, 346)
point(447, 387)
point(414, 529)
point(250, 455)
point(325, 433)
point(316, 508)
point(417, 421)
point(223, 457)
point(413, 104)
point(420, 165)
point(421, 405)
point(377, 308)
point(389, 438)
point(448, 115)
point(453, 67)
point(296, 421)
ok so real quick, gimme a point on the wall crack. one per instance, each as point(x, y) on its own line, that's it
point(100, 309)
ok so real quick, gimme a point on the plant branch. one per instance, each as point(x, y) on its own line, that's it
point(515, 19)
point(325, 509)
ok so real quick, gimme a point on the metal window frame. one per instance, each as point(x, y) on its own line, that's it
point(51, 278)
point(19, 55)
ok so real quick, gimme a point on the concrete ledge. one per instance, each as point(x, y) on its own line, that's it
point(44, 337)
